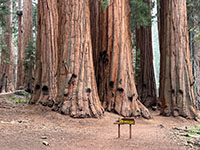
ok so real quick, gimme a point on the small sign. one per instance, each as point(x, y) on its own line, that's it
point(123, 121)
point(126, 121)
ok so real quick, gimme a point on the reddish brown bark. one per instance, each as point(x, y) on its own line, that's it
point(77, 95)
point(45, 86)
point(27, 71)
point(112, 45)
point(65, 60)
point(176, 79)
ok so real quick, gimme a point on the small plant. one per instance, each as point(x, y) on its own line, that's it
point(188, 139)
point(197, 127)
point(18, 100)
point(195, 131)
point(21, 101)
point(192, 133)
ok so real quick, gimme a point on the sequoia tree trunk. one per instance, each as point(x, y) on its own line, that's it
point(77, 90)
point(147, 84)
point(6, 66)
point(111, 37)
point(27, 44)
point(45, 85)
point(65, 61)
point(176, 79)
point(20, 71)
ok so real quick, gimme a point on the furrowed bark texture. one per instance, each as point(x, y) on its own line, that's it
point(45, 86)
point(6, 66)
point(77, 92)
point(65, 77)
point(147, 84)
point(112, 45)
point(27, 39)
point(176, 79)
point(20, 71)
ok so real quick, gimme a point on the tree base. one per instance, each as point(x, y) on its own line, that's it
point(88, 110)
point(130, 109)
point(189, 113)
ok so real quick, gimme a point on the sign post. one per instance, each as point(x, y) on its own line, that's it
point(123, 121)
point(130, 131)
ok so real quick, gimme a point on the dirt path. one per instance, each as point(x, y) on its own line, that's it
point(22, 126)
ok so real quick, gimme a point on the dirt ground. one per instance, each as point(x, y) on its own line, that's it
point(24, 127)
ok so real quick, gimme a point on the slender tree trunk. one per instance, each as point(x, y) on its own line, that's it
point(147, 85)
point(6, 66)
point(176, 79)
point(112, 44)
point(20, 72)
point(27, 41)
point(45, 86)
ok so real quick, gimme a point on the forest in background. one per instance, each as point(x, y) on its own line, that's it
point(37, 66)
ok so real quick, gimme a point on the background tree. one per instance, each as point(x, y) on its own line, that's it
point(27, 46)
point(20, 71)
point(111, 37)
point(176, 79)
point(6, 62)
point(193, 7)
point(146, 84)
point(4, 10)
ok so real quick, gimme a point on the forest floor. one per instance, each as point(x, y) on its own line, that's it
point(28, 127)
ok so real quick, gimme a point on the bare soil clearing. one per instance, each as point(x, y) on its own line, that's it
point(27, 127)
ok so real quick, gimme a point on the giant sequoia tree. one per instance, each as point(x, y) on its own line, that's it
point(112, 58)
point(6, 59)
point(77, 88)
point(45, 86)
point(65, 61)
point(176, 79)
